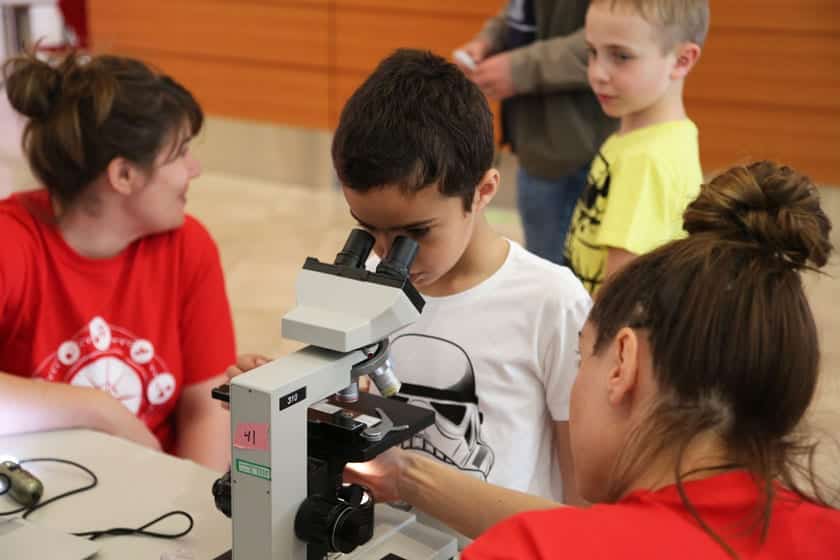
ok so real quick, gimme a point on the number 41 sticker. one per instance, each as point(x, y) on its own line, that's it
point(293, 398)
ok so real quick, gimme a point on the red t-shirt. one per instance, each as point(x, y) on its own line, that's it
point(142, 325)
point(651, 525)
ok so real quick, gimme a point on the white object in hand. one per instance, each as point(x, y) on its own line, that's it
point(464, 58)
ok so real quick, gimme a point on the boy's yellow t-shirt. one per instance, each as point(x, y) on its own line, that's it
point(638, 188)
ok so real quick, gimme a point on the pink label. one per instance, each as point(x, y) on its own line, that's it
point(251, 436)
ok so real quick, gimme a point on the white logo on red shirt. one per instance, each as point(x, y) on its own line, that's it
point(112, 359)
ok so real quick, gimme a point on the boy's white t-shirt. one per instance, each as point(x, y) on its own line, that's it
point(496, 363)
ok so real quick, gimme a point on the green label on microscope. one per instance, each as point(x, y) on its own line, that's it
point(253, 469)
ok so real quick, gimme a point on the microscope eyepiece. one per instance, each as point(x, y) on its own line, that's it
point(399, 258)
point(356, 249)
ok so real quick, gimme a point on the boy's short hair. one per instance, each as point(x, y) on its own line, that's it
point(681, 20)
point(415, 121)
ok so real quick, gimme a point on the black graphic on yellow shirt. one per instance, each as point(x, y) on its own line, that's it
point(584, 255)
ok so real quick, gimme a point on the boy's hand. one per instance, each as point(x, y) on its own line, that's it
point(244, 362)
point(494, 77)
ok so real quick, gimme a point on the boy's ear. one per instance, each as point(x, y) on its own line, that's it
point(486, 190)
point(123, 176)
point(687, 55)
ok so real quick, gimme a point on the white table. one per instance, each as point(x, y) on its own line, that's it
point(136, 485)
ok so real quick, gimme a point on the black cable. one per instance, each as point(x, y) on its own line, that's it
point(39, 505)
point(120, 531)
point(46, 502)
point(93, 535)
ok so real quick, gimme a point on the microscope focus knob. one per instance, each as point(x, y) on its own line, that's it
point(338, 525)
point(353, 529)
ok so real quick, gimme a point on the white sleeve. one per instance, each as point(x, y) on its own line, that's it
point(560, 326)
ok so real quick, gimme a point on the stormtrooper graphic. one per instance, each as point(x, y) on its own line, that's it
point(456, 437)
point(112, 359)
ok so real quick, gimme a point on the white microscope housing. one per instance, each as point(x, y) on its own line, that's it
point(296, 421)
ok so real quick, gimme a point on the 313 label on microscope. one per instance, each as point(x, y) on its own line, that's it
point(293, 398)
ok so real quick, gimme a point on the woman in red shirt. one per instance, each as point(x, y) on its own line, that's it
point(698, 362)
point(109, 291)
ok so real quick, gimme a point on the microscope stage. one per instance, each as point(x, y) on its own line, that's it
point(336, 428)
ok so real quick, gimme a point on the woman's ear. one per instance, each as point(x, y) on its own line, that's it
point(486, 190)
point(123, 176)
point(624, 377)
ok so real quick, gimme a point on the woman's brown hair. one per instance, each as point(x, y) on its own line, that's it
point(733, 340)
point(84, 111)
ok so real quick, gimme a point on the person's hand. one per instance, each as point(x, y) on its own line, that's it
point(120, 422)
point(381, 475)
point(477, 50)
point(244, 362)
point(494, 77)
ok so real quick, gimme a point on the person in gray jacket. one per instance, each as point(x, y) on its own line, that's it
point(533, 58)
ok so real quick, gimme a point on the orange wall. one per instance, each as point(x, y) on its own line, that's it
point(768, 84)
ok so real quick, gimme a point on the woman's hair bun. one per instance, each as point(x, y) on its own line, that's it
point(768, 207)
point(32, 86)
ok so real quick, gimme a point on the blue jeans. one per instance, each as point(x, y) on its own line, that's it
point(546, 207)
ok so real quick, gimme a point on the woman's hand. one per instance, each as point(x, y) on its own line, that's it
point(117, 420)
point(381, 475)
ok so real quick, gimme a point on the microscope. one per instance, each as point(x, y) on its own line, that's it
point(298, 420)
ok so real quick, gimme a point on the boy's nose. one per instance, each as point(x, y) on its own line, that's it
point(597, 73)
point(382, 244)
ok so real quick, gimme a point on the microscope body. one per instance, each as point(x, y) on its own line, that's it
point(297, 421)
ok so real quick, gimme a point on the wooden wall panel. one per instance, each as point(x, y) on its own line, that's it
point(806, 16)
point(364, 38)
point(369, 30)
point(735, 133)
point(271, 33)
point(443, 10)
point(767, 85)
point(294, 96)
point(258, 59)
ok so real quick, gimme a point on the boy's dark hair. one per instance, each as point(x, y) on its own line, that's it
point(416, 121)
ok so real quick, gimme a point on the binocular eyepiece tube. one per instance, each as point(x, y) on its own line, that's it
point(397, 263)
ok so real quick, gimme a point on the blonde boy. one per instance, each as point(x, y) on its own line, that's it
point(640, 52)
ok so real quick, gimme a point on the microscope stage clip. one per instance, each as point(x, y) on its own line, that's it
point(380, 430)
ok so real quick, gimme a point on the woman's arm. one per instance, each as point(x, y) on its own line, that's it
point(460, 501)
point(203, 427)
point(28, 405)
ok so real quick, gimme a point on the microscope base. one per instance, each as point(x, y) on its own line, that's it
point(398, 536)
